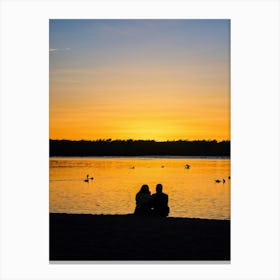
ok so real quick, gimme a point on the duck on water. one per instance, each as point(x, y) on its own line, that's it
point(88, 178)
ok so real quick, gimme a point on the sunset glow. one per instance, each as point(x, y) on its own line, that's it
point(140, 79)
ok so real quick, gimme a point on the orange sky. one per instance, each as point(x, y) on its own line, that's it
point(139, 79)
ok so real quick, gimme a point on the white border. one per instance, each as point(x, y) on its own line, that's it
point(255, 138)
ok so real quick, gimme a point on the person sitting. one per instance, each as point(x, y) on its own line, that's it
point(160, 202)
point(143, 202)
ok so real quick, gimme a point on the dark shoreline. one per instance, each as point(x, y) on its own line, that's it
point(109, 147)
point(148, 156)
point(78, 237)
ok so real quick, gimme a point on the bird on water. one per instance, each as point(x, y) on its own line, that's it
point(219, 181)
point(88, 178)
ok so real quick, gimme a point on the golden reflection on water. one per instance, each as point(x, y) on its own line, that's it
point(192, 192)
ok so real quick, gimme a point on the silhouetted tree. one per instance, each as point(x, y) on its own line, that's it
point(109, 147)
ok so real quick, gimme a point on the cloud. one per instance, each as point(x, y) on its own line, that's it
point(58, 50)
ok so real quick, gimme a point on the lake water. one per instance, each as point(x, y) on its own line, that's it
point(192, 192)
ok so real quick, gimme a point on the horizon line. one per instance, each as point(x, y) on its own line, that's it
point(130, 139)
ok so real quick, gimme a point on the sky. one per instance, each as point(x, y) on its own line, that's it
point(139, 79)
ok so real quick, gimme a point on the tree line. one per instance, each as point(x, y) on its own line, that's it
point(108, 147)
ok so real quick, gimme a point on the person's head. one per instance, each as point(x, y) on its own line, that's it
point(145, 189)
point(159, 188)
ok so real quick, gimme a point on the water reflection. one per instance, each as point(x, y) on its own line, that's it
point(192, 191)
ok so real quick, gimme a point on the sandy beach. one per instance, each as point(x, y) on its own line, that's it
point(131, 238)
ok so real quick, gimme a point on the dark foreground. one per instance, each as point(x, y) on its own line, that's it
point(126, 237)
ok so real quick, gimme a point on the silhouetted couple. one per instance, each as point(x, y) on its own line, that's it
point(151, 205)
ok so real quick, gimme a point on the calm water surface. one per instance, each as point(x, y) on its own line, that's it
point(192, 192)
